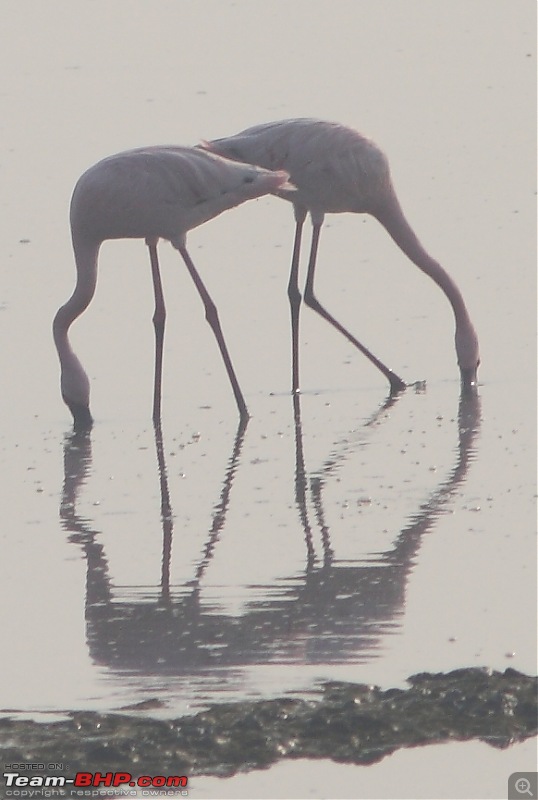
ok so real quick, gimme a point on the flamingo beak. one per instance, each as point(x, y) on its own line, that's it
point(287, 187)
point(284, 185)
point(82, 418)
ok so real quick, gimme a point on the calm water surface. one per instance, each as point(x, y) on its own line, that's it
point(340, 536)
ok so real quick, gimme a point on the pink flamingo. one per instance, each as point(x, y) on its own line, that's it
point(336, 169)
point(149, 193)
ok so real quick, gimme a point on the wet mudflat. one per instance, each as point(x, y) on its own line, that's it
point(152, 575)
point(348, 723)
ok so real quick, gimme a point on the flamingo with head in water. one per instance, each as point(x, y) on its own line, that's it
point(336, 169)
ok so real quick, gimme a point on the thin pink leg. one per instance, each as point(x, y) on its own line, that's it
point(212, 317)
point(159, 318)
point(294, 296)
point(396, 383)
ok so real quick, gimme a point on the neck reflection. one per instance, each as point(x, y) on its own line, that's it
point(334, 612)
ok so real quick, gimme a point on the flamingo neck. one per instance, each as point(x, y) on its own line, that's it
point(391, 216)
point(393, 220)
point(74, 382)
point(86, 264)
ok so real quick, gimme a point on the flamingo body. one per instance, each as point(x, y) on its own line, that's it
point(336, 169)
point(161, 192)
point(149, 193)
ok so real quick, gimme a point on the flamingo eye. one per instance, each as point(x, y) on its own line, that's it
point(248, 179)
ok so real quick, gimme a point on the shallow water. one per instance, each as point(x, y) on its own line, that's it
point(337, 537)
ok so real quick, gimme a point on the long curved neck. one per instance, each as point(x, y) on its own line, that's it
point(86, 263)
point(391, 216)
point(74, 381)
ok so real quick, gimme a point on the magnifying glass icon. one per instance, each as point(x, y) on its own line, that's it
point(523, 786)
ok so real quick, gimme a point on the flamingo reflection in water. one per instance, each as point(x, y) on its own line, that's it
point(334, 612)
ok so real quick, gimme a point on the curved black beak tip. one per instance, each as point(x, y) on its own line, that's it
point(82, 419)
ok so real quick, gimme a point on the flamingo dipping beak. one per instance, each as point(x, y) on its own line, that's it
point(82, 418)
point(469, 378)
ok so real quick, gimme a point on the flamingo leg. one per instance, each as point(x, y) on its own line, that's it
point(167, 519)
point(159, 317)
point(212, 317)
point(300, 485)
point(396, 383)
point(294, 296)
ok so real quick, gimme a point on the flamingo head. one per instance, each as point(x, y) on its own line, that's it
point(82, 418)
point(75, 387)
point(468, 354)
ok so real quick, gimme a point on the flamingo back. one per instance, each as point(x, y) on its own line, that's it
point(334, 168)
point(162, 192)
